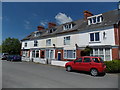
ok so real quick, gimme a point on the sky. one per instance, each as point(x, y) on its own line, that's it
point(19, 19)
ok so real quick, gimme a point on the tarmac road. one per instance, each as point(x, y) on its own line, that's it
point(31, 75)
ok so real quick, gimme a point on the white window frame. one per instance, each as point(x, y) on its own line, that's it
point(48, 42)
point(36, 43)
point(36, 34)
point(51, 30)
point(94, 37)
point(66, 42)
point(98, 55)
point(25, 53)
point(73, 53)
point(68, 26)
point(25, 44)
point(95, 16)
point(49, 53)
point(36, 53)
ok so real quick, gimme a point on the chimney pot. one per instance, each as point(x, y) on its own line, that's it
point(40, 28)
point(87, 14)
point(50, 25)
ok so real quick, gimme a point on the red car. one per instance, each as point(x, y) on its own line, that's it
point(94, 65)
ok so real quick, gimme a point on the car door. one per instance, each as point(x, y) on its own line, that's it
point(86, 65)
point(77, 64)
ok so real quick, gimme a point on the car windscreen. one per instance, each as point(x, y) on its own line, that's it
point(97, 60)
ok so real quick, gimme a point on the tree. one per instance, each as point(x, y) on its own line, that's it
point(86, 51)
point(11, 46)
point(0, 48)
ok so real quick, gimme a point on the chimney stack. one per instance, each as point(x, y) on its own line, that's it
point(50, 25)
point(87, 14)
point(40, 28)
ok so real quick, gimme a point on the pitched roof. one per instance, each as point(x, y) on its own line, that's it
point(109, 18)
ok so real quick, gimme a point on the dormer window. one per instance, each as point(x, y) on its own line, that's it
point(95, 19)
point(67, 26)
point(51, 30)
point(36, 34)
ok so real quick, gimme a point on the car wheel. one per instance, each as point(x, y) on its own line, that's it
point(94, 72)
point(68, 68)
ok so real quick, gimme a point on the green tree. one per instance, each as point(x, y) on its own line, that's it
point(0, 48)
point(11, 46)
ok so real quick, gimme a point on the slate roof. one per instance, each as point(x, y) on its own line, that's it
point(109, 18)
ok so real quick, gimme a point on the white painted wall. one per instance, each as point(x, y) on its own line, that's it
point(84, 38)
point(59, 63)
point(81, 38)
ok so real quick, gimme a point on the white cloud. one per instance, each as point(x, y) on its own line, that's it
point(44, 23)
point(62, 18)
point(27, 24)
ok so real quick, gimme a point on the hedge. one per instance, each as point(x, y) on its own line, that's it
point(113, 66)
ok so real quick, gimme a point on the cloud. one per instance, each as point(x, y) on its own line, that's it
point(44, 23)
point(27, 24)
point(62, 18)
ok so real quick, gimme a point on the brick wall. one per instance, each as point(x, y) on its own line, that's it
point(115, 53)
point(78, 53)
point(116, 33)
point(56, 54)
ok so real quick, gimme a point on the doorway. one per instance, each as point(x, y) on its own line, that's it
point(59, 56)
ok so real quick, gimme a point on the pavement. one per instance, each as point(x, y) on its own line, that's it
point(31, 75)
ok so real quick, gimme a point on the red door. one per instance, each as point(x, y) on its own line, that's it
point(77, 64)
point(86, 65)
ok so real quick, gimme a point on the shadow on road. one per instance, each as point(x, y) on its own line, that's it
point(87, 73)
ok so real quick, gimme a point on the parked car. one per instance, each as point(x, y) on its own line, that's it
point(14, 58)
point(4, 56)
point(94, 65)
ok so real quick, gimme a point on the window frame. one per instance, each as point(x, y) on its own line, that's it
point(66, 41)
point(25, 45)
point(48, 42)
point(37, 34)
point(67, 26)
point(35, 43)
point(77, 61)
point(35, 53)
point(66, 56)
point(86, 58)
point(95, 38)
point(95, 19)
point(103, 55)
